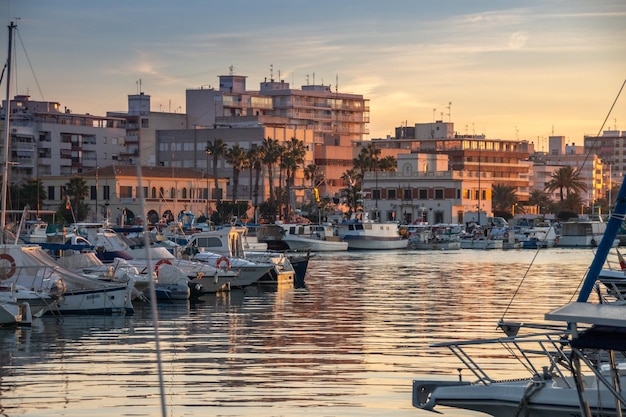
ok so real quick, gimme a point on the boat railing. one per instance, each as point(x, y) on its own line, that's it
point(526, 349)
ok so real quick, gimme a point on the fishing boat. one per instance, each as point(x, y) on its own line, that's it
point(434, 237)
point(583, 232)
point(365, 234)
point(576, 367)
point(312, 237)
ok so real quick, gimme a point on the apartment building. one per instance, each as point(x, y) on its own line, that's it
point(45, 140)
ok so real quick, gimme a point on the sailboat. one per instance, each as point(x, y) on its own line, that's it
point(576, 367)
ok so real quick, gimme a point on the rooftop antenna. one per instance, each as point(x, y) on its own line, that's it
point(313, 78)
point(434, 110)
point(336, 83)
point(231, 70)
point(278, 75)
point(449, 111)
point(271, 72)
point(307, 79)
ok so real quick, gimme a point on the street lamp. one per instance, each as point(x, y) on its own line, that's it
point(208, 153)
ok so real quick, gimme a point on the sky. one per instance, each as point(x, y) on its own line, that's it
point(509, 69)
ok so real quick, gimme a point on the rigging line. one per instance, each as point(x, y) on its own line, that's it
point(153, 298)
point(30, 65)
point(520, 284)
point(602, 127)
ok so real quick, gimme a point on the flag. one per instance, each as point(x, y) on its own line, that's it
point(622, 262)
point(68, 205)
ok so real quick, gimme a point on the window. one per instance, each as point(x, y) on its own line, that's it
point(145, 192)
point(106, 192)
point(184, 193)
point(172, 192)
point(126, 191)
point(93, 192)
point(51, 193)
point(161, 193)
point(407, 194)
point(422, 194)
point(376, 194)
point(144, 123)
point(153, 195)
point(438, 193)
point(391, 194)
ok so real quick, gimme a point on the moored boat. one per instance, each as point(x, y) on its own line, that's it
point(364, 234)
point(312, 237)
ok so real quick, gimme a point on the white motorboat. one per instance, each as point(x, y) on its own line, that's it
point(223, 247)
point(312, 237)
point(210, 278)
point(362, 233)
point(32, 268)
point(574, 369)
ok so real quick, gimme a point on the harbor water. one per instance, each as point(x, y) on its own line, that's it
point(348, 344)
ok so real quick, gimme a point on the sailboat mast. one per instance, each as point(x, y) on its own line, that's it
point(7, 138)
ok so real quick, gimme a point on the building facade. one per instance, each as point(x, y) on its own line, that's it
point(425, 189)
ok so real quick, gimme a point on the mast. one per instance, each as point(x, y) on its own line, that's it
point(7, 139)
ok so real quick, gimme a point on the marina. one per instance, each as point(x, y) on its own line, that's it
point(348, 344)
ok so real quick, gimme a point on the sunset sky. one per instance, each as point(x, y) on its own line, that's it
point(511, 69)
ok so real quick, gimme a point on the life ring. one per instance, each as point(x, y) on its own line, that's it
point(593, 243)
point(7, 274)
point(221, 259)
point(161, 263)
point(506, 235)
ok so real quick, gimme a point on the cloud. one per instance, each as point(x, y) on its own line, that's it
point(518, 40)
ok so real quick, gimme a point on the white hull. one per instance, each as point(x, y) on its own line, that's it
point(589, 241)
point(314, 245)
point(503, 399)
point(100, 301)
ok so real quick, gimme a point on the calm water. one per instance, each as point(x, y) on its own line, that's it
point(349, 344)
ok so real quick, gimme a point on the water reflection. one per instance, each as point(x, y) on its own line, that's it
point(348, 344)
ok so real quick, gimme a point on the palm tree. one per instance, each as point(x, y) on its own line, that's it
point(565, 178)
point(217, 149)
point(255, 155)
point(236, 156)
point(503, 197)
point(540, 199)
point(271, 155)
point(350, 179)
point(292, 158)
point(76, 190)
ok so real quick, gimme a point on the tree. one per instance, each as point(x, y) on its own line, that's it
point(293, 157)
point(236, 156)
point(503, 197)
point(255, 155)
point(271, 155)
point(73, 207)
point(32, 193)
point(217, 149)
point(540, 199)
point(350, 178)
point(565, 178)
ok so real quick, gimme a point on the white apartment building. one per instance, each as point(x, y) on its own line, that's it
point(425, 189)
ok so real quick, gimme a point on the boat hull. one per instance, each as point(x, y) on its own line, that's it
point(113, 300)
point(315, 245)
point(525, 397)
